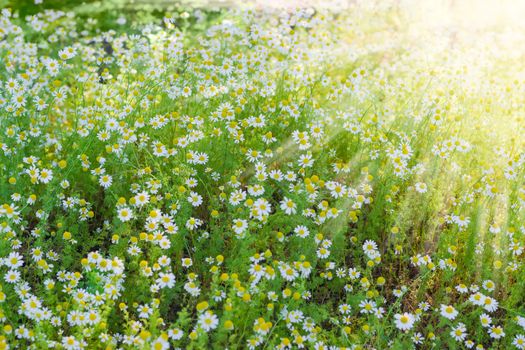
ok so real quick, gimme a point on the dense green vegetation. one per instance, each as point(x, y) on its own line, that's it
point(238, 178)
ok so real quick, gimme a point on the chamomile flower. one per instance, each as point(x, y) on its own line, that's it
point(125, 214)
point(404, 321)
point(448, 311)
point(208, 321)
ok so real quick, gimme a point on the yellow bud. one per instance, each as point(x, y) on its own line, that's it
point(202, 306)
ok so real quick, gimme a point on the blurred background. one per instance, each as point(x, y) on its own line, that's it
point(471, 14)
